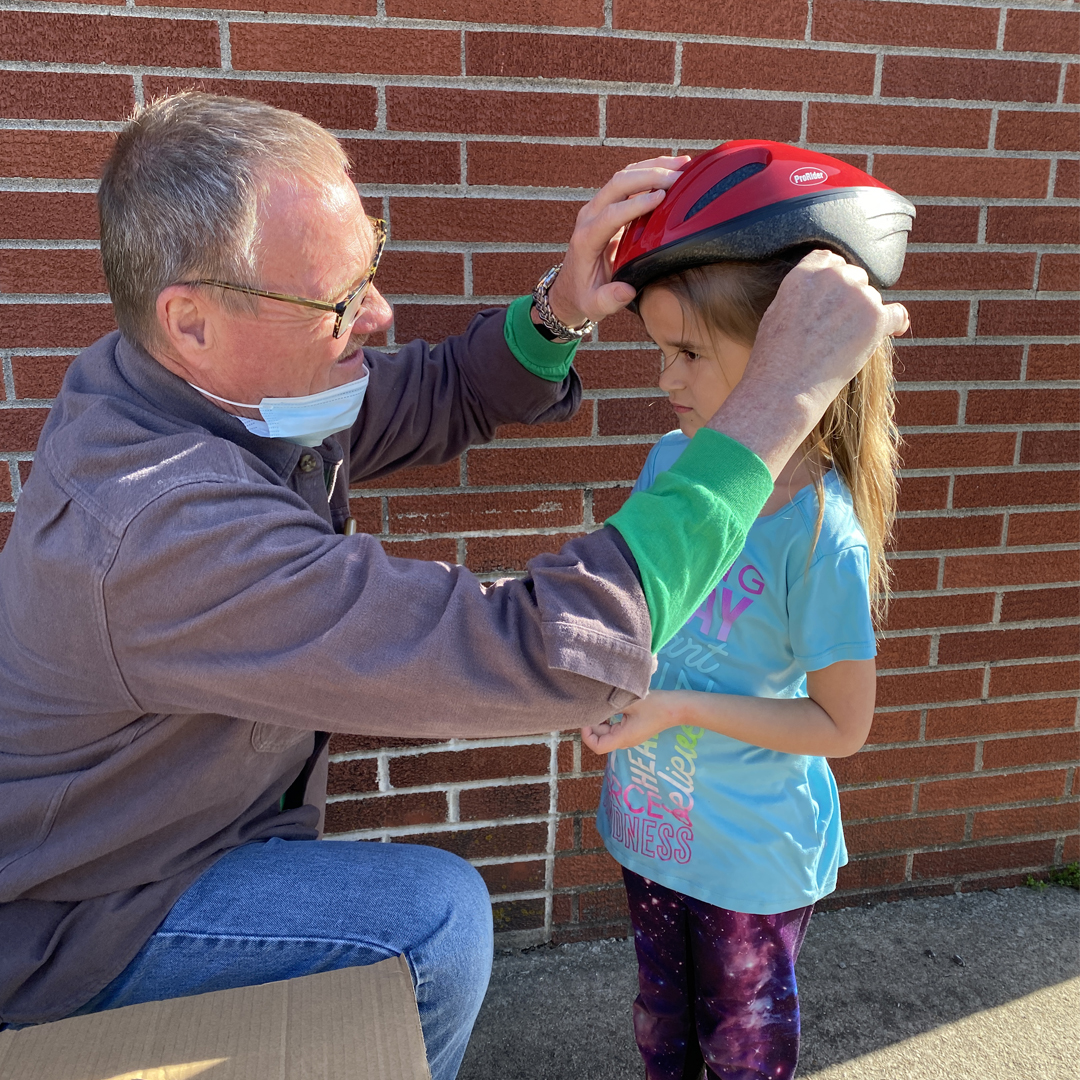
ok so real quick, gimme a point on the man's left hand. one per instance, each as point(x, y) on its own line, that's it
point(584, 289)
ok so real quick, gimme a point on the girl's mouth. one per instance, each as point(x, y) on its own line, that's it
point(681, 408)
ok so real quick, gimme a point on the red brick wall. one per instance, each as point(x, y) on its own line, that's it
point(478, 139)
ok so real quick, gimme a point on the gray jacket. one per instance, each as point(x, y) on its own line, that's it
point(181, 617)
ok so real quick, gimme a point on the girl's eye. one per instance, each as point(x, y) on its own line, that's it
point(690, 355)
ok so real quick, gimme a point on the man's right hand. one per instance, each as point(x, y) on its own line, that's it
point(815, 337)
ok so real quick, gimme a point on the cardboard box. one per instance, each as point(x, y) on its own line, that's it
point(357, 1023)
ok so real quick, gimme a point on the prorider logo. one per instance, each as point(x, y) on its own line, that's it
point(808, 176)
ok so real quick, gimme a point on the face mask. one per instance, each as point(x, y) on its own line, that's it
point(305, 420)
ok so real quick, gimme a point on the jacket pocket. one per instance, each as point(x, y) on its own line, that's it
point(275, 738)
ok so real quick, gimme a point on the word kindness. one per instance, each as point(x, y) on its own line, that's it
point(649, 819)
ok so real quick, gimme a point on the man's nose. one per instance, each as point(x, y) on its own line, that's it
point(375, 313)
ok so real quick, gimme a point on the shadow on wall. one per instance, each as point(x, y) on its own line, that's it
point(882, 997)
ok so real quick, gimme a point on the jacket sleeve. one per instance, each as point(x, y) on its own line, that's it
point(427, 403)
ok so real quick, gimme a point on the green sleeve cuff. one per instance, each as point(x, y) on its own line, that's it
point(686, 530)
point(549, 360)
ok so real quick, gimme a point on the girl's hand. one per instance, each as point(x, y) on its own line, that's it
point(657, 711)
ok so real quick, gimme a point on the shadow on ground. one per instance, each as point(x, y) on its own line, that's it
point(980, 985)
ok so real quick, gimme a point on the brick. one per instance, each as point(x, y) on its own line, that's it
point(6, 492)
point(1022, 406)
point(490, 554)
point(994, 718)
point(551, 164)
point(546, 56)
point(938, 318)
point(426, 476)
point(871, 873)
point(306, 7)
point(1057, 527)
point(987, 791)
point(898, 125)
point(894, 727)
point(425, 550)
point(485, 843)
point(48, 216)
point(945, 225)
point(732, 18)
point(1071, 95)
point(426, 808)
point(526, 12)
point(508, 273)
point(717, 119)
point(334, 105)
point(967, 78)
point(905, 763)
point(1032, 225)
point(1029, 317)
point(108, 39)
point(564, 835)
point(1026, 820)
point(60, 154)
point(1053, 362)
point(876, 836)
point(367, 513)
point(903, 652)
point(490, 112)
point(5, 528)
point(927, 407)
point(923, 493)
point(599, 869)
point(968, 270)
point(24, 471)
point(1070, 852)
point(911, 574)
point(946, 450)
point(1031, 750)
point(43, 95)
point(963, 609)
point(1050, 131)
point(932, 864)
point(926, 174)
point(938, 533)
point(1016, 489)
point(931, 686)
point(517, 915)
point(300, 47)
point(20, 428)
point(27, 326)
point(583, 794)
point(1029, 568)
point(487, 510)
point(958, 363)
point(626, 326)
point(873, 22)
point(1042, 678)
point(1050, 446)
point(590, 835)
point(1040, 604)
point(1059, 273)
point(347, 743)
point(514, 877)
point(603, 905)
point(50, 271)
point(1042, 31)
point(1067, 184)
point(580, 425)
point(476, 763)
point(433, 322)
point(989, 645)
point(514, 800)
point(808, 71)
point(876, 802)
point(617, 368)
point(561, 464)
point(428, 273)
point(484, 220)
point(605, 501)
point(634, 416)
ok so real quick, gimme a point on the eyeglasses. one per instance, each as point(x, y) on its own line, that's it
point(346, 310)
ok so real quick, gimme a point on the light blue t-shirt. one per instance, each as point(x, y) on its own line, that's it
point(736, 825)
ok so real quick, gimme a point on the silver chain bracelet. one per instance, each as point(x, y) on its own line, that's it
point(548, 317)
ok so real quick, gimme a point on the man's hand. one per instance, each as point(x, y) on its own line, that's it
point(584, 289)
point(816, 335)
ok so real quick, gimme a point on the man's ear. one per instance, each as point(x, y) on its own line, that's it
point(186, 322)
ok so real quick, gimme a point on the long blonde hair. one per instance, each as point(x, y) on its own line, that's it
point(857, 436)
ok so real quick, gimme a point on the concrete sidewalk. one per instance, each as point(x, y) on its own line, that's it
point(882, 997)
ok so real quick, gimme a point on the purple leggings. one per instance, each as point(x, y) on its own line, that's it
point(717, 987)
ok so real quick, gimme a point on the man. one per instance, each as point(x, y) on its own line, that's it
point(185, 612)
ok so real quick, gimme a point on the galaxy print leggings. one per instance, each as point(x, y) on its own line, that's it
point(717, 987)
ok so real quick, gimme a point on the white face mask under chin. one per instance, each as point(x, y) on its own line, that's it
point(305, 420)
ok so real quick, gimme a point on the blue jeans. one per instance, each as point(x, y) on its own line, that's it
point(280, 909)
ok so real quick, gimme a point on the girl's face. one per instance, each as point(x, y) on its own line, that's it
point(699, 369)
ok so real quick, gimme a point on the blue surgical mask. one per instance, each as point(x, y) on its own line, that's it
point(305, 420)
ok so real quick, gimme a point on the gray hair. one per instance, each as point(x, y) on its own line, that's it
point(180, 193)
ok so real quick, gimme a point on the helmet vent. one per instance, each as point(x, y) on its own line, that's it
point(729, 181)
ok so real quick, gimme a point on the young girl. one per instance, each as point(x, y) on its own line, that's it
point(717, 798)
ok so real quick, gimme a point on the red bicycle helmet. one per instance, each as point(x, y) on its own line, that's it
point(752, 200)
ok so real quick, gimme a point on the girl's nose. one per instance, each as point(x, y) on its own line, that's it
point(670, 375)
